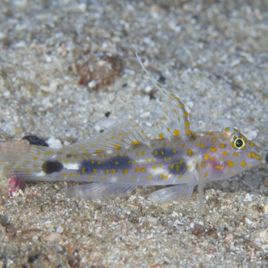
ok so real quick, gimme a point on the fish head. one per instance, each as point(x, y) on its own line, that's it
point(229, 154)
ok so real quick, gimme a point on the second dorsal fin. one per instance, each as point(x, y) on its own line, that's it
point(123, 135)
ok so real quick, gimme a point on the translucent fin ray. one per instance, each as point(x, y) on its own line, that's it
point(172, 193)
point(121, 136)
point(21, 158)
point(100, 191)
point(175, 113)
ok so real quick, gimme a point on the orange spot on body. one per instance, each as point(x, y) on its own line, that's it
point(140, 169)
point(206, 156)
point(190, 152)
point(251, 144)
point(213, 149)
point(222, 145)
point(135, 143)
point(48, 153)
point(85, 151)
point(117, 147)
point(203, 164)
point(164, 176)
point(189, 132)
point(154, 167)
point(219, 167)
point(176, 133)
point(254, 156)
point(243, 163)
point(230, 163)
point(161, 136)
point(236, 154)
point(186, 114)
point(143, 169)
point(98, 151)
point(150, 160)
point(200, 145)
point(141, 153)
point(225, 153)
point(83, 170)
point(125, 171)
point(187, 124)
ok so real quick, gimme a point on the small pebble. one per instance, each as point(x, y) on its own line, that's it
point(51, 87)
point(198, 229)
point(6, 94)
point(248, 221)
point(59, 229)
point(54, 143)
point(35, 238)
point(261, 237)
point(52, 237)
point(265, 208)
point(248, 198)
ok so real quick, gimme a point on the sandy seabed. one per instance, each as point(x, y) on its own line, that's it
point(68, 71)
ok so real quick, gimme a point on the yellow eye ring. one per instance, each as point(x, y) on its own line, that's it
point(239, 143)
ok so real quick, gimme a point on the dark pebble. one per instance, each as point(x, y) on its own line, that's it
point(162, 79)
point(107, 114)
point(34, 140)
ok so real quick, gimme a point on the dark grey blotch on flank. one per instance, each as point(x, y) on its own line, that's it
point(52, 166)
point(163, 152)
point(116, 163)
point(178, 168)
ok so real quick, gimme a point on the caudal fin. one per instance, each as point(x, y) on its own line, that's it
point(22, 159)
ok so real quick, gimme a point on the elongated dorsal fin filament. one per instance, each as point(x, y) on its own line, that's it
point(179, 109)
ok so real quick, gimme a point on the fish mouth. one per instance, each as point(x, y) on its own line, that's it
point(261, 157)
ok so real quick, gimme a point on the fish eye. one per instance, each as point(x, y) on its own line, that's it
point(238, 143)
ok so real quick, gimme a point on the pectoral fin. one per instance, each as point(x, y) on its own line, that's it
point(172, 193)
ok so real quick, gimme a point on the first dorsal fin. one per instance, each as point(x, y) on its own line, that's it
point(174, 113)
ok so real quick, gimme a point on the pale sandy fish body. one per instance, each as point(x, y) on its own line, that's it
point(126, 157)
point(115, 166)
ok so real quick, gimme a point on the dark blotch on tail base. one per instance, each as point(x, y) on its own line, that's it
point(51, 166)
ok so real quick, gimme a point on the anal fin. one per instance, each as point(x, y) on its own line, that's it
point(100, 191)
